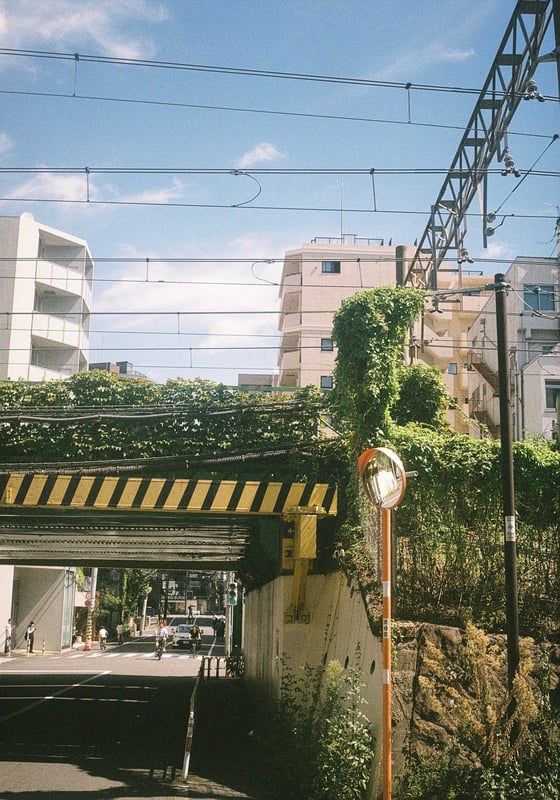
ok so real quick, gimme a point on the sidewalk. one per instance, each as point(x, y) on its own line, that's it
point(223, 760)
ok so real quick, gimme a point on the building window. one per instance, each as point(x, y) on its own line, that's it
point(552, 389)
point(327, 344)
point(326, 382)
point(538, 297)
point(452, 369)
point(330, 266)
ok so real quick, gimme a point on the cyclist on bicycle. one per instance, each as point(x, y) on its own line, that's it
point(103, 636)
point(161, 635)
point(195, 637)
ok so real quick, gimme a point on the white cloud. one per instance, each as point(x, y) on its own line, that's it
point(71, 24)
point(497, 251)
point(164, 194)
point(413, 60)
point(265, 151)
point(5, 143)
point(51, 186)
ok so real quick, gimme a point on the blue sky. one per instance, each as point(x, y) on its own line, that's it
point(169, 245)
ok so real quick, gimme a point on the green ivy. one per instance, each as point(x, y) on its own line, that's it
point(99, 416)
point(422, 397)
point(369, 330)
point(450, 531)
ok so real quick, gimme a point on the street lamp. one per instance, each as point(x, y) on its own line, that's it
point(384, 480)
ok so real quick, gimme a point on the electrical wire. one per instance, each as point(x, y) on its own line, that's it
point(220, 206)
point(345, 171)
point(79, 58)
point(237, 109)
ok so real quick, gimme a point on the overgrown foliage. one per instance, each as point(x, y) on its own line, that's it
point(369, 330)
point(422, 397)
point(96, 416)
point(477, 757)
point(121, 593)
point(450, 557)
point(318, 744)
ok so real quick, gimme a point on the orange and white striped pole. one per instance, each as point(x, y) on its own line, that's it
point(384, 480)
point(387, 679)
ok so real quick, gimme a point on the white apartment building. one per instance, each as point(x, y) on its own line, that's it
point(317, 277)
point(47, 281)
point(533, 335)
point(45, 301)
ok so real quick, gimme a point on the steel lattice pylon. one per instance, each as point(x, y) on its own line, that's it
point(485, 136)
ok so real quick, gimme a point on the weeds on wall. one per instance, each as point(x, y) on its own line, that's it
point(475, 757)
point(317, 743)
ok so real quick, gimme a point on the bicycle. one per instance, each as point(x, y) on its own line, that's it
point(235, 664)
point(103, 643)
point(159, 649)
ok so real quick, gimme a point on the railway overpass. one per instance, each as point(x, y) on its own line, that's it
point(111, 520)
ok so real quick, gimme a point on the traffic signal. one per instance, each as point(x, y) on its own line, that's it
point(232, 594)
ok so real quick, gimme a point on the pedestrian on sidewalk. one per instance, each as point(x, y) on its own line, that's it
point(8, 642)
point(30, 636)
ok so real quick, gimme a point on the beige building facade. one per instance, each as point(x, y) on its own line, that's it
point(318, 276)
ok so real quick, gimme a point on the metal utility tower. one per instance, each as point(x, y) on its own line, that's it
point(485, 136)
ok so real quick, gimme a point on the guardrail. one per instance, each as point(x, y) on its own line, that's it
point(190, 724)
point(214, 667)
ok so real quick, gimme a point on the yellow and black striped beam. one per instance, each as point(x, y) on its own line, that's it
point(113, 493)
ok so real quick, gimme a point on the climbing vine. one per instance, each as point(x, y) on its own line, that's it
point(369, 330)
point(96, 416)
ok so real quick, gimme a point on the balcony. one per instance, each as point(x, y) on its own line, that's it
point(51, 360)
point(290, 322)
point(477, 363)
point(38, 374)
point(289, 360)
point(288, 379)
point(64, 278)
point(66, 331)
point(291, 300)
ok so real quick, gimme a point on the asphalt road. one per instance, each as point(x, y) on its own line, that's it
point(97, 724)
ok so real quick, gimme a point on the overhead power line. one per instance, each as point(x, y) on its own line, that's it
point(81, 58)
point(344, 171)
point(240, 206)
point(262, 111)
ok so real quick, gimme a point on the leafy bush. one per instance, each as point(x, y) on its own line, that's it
point(476, 757)
point(316, 744)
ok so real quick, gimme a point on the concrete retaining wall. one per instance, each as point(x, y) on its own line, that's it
point(339, 626)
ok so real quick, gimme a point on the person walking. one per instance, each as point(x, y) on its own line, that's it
point(8, 642)
point(120, 632)
point(30, 636)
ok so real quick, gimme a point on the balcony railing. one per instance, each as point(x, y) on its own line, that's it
point(65, 278)
point(477, 362)
point(65, 330)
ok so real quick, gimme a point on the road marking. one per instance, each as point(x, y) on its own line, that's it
point(51, 697)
